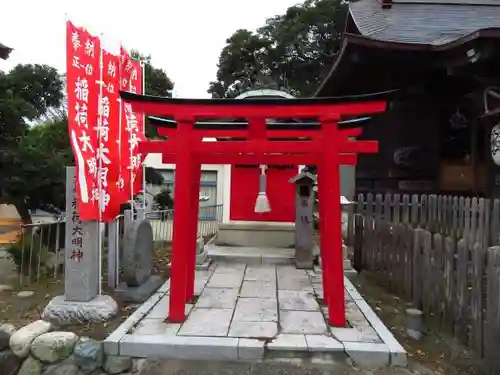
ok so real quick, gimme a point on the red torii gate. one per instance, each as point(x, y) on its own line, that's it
point(327, 147)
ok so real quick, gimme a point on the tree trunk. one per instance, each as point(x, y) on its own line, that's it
point(24, 213)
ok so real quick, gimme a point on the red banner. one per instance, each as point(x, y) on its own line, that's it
point(109, 136)
point(132, 131)
point(124, 177)
point(137, 135)
point(82, 62)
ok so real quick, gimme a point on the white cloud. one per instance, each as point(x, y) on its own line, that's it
point(183, 37)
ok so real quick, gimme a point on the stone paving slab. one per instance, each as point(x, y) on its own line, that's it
point(207, 322)
point(303, 322)
point(218, 298)
point(242, 312)
point(261, 330)
point(256, 310)
point(257, 289)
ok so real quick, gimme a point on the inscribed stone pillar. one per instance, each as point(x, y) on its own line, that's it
point(81, 302)
point(304, 202)
point(81, 282)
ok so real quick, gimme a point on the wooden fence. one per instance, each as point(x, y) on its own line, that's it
point(441, 253)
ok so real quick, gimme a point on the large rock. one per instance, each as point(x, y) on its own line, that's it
point(9, 363)
point(53, 346)
point(88, 355)
point(8, 268)
point(31, 366)
point(117, 365)
point(6, 330)
point(63, 369)
point(53, 260)
point(20, 341)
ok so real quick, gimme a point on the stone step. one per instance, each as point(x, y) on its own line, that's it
point(250, 255)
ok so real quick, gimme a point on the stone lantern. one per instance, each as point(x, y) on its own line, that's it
point(304, 203)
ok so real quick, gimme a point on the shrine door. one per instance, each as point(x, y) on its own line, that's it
point(245, 188)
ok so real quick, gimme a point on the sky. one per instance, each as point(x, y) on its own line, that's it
point(184, 37)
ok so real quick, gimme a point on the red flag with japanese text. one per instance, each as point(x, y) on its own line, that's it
point(109, 137)
point(132, 130)
point(124, 177)
point(82, 63)
point(137, 135)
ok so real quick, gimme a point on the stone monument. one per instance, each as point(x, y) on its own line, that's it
point(304, 203)
point(202, 260)
point(348, 269)
point(137, 261)
point(82, 301)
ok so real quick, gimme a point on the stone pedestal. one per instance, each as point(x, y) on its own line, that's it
point(348, 270)
point(63, 312)
point(81, 302)
point(139, 284)
point(202, 260)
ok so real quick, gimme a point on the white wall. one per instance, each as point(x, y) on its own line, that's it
point(154, 161)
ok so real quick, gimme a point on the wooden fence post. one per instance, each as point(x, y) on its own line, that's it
point(358, 242)
point(492, 324)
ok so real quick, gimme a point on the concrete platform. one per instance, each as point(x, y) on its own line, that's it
point(257, 313)
point(255, 234)
point(250, 255)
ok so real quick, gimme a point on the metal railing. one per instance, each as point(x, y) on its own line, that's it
point(39, 254)
point(209, 218)
point(38, 251)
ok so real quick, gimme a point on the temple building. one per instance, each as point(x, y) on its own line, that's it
point(442, 56)
point(4, 51)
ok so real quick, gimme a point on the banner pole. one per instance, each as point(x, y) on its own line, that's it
point(100, 201)
point(143, 76)
point(131, 155)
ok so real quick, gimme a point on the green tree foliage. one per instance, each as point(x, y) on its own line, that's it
point(295, 50)
point(164, 200)
point(33, 160)
point(157, 83)
point(25, 94)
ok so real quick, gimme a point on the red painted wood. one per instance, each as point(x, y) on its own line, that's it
point(299, 159)
point(245, 188)
point(262, 146)
point(326, 150)
point(331, 223)
point(193, 228)
point(270, 134)
point(182, 238)
point(181, 111)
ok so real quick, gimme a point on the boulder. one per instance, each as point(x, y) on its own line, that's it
point(20, 341)
point(62, 369)
point(8, 268)
point(6, 330)
point(117, 365)
point(31, 366)
point(53, 346)
point(88, 355)
point(53, 260)
point(9, 363)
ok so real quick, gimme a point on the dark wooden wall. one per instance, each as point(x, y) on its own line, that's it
point(406, 124)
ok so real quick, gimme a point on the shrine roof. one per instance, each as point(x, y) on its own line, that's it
point(384, 40)
point(4, 51)
point(430, 22)
point(257, 101)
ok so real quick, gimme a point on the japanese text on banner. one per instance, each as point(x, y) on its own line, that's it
point(83, 57)
point(109, 133)
point(131, 78)
point(136, 130)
